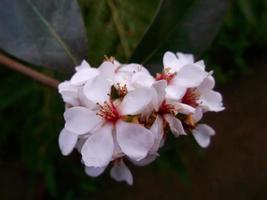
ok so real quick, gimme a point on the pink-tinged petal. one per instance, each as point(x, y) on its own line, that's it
point(80, 120)
point(202, 134)
point(158, 132)
point(201, 64)
point(190, 76)
point(97, 90)
point(107, 70)
point(207, 84)
point(98, 149)
point(67, 141)
point(69, 93)
point(159, 93)
point(212, 101)
point(117, 152)
point(141, 79)
point(170, 61)
point(94, 171)
point(197, 116)
point(135, 140)
point(183, 108)
point(84, 65)
point(135, 101)
point(175, 92)
point(83, 75)
point(120, 172)
point(146, 161)
point(185, 59)
point(133, 68)
point(175, 125)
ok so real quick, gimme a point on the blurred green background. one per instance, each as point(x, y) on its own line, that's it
point(31, 166)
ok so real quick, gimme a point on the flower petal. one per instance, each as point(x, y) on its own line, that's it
point(185, 59)
point(67, 141)
point(175, 125)
point(202, 134)
point(158, 132)
point(159, 93)
point(83, 75)
point(135, 101)
point(80, 120)
point(212, 101)
point(170, 60)
point(97, 90)
point(207, 84)
point(120, 172)
point(135, 140)
point(84, 65)
point(107, 70)
point(190, 76)
point(94, 171)
point(141, 79)
point(175, 92)
point(98, 149)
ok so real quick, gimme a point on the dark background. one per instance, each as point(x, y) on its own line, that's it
point(233, 167)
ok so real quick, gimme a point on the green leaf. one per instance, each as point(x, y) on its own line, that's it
point(48, 33)
point(187, 26)
point(115, 26)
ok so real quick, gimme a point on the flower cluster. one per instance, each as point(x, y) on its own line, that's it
point(120, 111)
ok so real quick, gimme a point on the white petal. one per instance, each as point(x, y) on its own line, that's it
point(159, 93)
point(94, 171)
point(207, 84)
point(135, 140)
point(202, 134)
point(170, 61)
point(185, 59)
point(69, 93)
point(141, 79)
point(183, 108)
point(197, 116)
point(135, 101)
point(67, 141)
point(201, 64)
point(107, 70)
point(133, 68)
point(158, 132)
point(190, 76)
point(84, 65)
point(175, 125)
point(175, 92)
point(80, 120)
point(120, 172)
point(212, 101)
point(83, 75)
point(98, 149)
point(97, 90)
point(146, 161)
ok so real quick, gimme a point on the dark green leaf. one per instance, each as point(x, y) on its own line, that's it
point(187, 26)
point(49, 33)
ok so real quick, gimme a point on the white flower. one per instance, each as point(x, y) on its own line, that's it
point(105, 120)
point(202, 134)
point(181, 73)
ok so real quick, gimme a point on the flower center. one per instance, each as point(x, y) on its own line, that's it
point(165, 75)
point(108, 111)
point(191, 97)
point(166, 108)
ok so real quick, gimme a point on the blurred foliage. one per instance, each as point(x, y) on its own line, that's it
point(31, 115)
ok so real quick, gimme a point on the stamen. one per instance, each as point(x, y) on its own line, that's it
point(166, 108)
point(191, 97)
point(165, 75)
point(122, 90)
point(108, 111)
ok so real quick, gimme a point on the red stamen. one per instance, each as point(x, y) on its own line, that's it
point(166, 108)
point(191, 97)
point(109, 112)
point(165, 76)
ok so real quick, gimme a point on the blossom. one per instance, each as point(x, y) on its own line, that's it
point(105, 121)
point(120, 111)
point(181, 73)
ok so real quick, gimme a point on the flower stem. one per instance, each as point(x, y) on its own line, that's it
point(19, 67)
